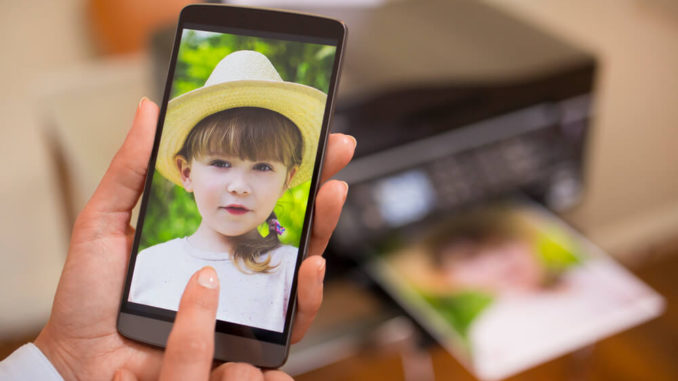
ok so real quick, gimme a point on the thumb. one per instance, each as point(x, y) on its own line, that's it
point(123, 182)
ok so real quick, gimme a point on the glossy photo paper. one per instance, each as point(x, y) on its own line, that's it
point(507, 287)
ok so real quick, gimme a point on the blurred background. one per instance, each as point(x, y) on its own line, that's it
point(455, 104)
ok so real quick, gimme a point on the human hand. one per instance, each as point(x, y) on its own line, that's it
point(80, 338)
point(190, 346)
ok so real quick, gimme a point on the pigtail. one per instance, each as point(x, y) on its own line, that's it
point(249, 248)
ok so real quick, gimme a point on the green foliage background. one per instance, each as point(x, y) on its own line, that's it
point(172, 211)
point(460, 309)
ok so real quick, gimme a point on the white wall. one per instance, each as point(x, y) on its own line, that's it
point(37, 37)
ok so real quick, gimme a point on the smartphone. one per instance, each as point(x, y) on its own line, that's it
point(233, 175)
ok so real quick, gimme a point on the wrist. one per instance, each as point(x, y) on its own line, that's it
point(55, 353)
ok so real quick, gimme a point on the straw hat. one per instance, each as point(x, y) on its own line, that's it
point(243, 78)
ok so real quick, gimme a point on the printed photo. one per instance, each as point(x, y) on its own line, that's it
point(232, 176)
point(507, 287)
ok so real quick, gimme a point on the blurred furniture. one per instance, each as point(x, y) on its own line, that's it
point(126, 26)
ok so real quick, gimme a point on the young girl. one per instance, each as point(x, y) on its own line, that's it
point(238, 144)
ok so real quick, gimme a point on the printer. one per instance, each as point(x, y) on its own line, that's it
point(455, 103)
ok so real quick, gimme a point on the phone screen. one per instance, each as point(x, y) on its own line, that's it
point(232, 176)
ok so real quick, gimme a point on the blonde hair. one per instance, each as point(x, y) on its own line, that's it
point(255, 134)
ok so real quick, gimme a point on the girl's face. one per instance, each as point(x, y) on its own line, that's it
point(234, 196)
point(503, 267)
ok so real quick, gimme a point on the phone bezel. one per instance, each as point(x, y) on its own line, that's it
point(234, 342)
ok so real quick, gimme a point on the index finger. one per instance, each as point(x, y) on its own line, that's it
point(190, 346)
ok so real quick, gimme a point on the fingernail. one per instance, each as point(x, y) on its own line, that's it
point(353, 140)
point(345, 189)
point(208, 277)
point(321, 270)
point(141, 101)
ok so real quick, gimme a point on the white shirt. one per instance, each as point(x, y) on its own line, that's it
point(254, 299)
point(28, 363)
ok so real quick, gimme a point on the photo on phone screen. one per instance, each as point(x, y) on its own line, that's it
point(232, 177)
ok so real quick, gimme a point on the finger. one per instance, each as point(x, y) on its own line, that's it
point(310, 292)
point(123, 182)
point(237, 371)
point(277, 375)
point(328, 204)
point(340, 150)
point(124, 375)
point(190, 346)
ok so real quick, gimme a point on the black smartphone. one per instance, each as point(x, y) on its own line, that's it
point(233, 175)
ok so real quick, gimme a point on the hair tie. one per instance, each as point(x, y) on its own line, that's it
point(274, 225)
point(271, 225)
